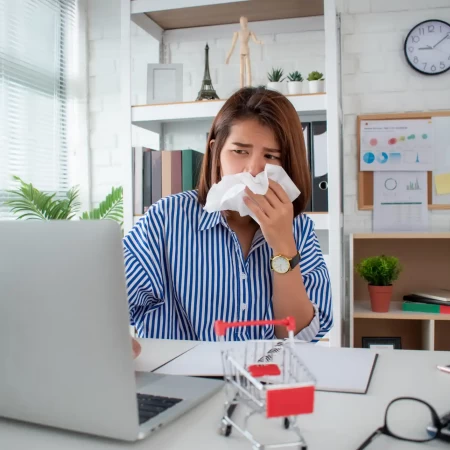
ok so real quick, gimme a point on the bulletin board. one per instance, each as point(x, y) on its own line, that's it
point(365, 178)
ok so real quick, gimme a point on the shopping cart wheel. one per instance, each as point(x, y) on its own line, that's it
point(225, 430)
point(286, 423)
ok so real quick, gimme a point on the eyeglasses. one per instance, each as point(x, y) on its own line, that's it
point(409, 419)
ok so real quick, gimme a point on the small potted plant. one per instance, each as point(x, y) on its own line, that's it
point(275, 80)
point(316, 82)
point(295, 83)
point(379, 272)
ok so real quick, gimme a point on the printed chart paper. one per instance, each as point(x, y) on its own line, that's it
point(396, 145)
point(400, 201)
point(441, 169)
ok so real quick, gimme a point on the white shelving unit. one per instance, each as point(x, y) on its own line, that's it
point(177, 15)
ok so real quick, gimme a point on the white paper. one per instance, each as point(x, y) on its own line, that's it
point(335, 369)
point(400, 201)
point(396, 145)
point(441, 139)
point(229, 193)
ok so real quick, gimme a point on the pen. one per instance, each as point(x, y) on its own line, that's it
point(444, 368)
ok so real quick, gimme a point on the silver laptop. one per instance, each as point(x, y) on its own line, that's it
point(65, 346)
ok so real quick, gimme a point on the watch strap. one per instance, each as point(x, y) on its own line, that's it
point(295, 260)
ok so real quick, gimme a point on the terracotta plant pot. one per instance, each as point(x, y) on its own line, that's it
point(380, 298)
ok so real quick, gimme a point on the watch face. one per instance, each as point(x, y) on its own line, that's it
point(427, 47)
point(280, 264)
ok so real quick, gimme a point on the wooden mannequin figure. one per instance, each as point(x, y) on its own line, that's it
point(244, 36)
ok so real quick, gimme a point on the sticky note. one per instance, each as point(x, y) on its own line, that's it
point(442, 182)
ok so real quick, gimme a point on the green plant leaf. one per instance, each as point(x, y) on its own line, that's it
point(379, 270)
point(314, 76)
point(110, 208)
point(295, 76)
point(275, 75)
point(37, 205)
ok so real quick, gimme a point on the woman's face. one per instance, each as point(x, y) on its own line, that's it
point(249, 147)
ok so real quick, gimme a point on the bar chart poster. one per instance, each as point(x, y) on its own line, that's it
point(396, 145)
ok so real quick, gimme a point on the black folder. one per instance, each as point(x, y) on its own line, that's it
point(307, 137)
point(319, 166)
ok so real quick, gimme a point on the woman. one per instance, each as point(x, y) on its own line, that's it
point(186, 267)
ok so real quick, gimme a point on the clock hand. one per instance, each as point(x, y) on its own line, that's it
point(445, 37)
point(428, 47)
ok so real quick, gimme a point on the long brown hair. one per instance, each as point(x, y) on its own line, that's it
point(273, 110)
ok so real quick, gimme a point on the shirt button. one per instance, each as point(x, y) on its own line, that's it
point(243, 306)
point(243, 276)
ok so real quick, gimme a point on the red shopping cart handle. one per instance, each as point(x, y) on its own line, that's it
point(221, 327)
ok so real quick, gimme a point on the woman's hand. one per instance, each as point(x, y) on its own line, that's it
point(275, 213)
point(136, 348)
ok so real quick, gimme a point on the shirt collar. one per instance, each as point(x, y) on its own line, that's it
point(209, 220)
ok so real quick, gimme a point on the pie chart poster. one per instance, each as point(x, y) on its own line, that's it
point(396, 145)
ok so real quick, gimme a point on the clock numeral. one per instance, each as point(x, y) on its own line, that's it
point(430, 28)
point(433, 68)
point(415, 60)
point(442, 65)
point(421, 30)
point(424, 66)
point(410, 49)
point(415, 39)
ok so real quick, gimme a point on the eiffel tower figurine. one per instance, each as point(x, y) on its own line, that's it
point(207, 91)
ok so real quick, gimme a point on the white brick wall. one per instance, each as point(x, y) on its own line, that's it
point(104, 92)
point(377, 79)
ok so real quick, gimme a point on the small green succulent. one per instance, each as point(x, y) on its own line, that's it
point(275, 75)
point(295, 76)
point(315, 76)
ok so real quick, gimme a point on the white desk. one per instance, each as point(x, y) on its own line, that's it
point(340, 421)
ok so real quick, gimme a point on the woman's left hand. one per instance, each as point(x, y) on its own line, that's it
point(275, 213)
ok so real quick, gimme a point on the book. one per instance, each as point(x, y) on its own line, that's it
point(147, 182)
point(191, 165)
point(435, 294)
point(156, 176)
point(166, 171)
point(177, 182)
point(335, 369)
point(420, 299)
point(428, 308)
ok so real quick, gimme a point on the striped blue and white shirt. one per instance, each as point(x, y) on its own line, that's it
point(185, 269)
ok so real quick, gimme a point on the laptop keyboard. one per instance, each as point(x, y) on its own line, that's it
point(151, 405)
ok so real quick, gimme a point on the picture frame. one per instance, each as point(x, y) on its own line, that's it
point(394, 343)
point(164, 83)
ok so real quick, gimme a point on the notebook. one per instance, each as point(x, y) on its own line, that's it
point(346, 370)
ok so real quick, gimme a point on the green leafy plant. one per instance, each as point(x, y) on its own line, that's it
point(275, 75)
point(315, 76)
point(30, 203)
point(379, 270)
point(295, 76)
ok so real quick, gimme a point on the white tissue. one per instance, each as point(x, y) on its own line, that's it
point(229, 193)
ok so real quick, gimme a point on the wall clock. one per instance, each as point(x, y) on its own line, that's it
point(427, 47)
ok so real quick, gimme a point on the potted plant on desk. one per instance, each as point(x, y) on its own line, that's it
point(379, 272)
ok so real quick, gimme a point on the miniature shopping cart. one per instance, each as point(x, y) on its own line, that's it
point(269, 378)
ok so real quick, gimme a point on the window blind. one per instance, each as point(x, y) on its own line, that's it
point(36, 41)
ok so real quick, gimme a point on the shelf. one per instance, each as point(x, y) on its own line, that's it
point(361, 310)
point(424, 235)
point(170, 15)
point(147, 116)
point(321, 220)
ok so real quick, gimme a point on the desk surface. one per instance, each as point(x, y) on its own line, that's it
point(340, 421)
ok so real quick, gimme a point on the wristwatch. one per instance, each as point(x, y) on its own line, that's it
point(283, 264)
